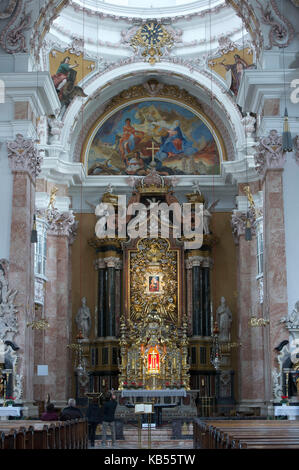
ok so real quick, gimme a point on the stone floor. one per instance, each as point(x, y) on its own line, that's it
point(160, 439)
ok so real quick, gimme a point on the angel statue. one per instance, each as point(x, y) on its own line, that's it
point(109, 189)
point(52, 200)
point(207, 216)
point(195, 187)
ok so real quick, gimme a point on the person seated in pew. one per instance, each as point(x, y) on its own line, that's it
point(50, 414)
point(71, 411)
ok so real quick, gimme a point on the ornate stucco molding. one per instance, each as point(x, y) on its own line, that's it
point(12, 38)
point(109, 262)
point(62, 224)
point(249, 124)
point(153, 88)
point(51, 10)
point(48, 14)
point(203, 261)
point(23, 156)
point(99, 264)
point(113, 262)
point(269, 153)
point(8, 10)
point(292, 320)
point(251, 22)
point(238, 223)
point(131, 19)
point(8, 320)
point(152, 40)
point(78, 42)
point(225, 45)
point(56, 127)
point(281, 31)
point(76, 45)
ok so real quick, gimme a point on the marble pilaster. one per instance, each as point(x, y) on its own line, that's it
point(270, 160)
point(57, 308)
point(251, 352)
point(251, 360)
point(275, 279)
point(24, 162)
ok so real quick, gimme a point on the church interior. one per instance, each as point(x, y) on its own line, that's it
point(149, 156)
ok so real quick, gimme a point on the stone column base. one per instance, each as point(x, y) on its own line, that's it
point(248, 405)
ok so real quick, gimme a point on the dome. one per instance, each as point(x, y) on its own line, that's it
point(148, 7)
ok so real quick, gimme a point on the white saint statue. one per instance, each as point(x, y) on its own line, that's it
point(224, 317)
point(83, 319)
point(207, 216)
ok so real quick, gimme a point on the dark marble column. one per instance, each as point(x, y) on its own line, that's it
point(110, 305)
point(206, 309)
point(101, 299)
point(197, 300)
point(109, 295)
point(118, 296)
point(201, 309)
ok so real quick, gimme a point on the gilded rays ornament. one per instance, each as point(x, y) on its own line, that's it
point(152, 37)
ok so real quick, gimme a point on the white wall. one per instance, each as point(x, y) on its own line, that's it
point(291, 207)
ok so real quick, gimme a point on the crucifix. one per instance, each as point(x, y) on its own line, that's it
point(153, 148)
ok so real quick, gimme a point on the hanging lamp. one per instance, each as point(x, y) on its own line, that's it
point(248, 232)
point(33, 238)
point(287, 143)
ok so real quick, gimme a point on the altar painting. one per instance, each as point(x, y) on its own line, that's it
point(172, 136)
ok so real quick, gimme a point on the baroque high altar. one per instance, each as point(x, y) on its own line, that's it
point(156, 314)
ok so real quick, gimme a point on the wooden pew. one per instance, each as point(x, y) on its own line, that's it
point(35, 434)
point(2, 439)
point(16, 436)
point(10, 441)
point(233, 434)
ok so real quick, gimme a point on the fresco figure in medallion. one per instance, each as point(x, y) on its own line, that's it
point(64, 82)
point(62, 74)
point(236, 71)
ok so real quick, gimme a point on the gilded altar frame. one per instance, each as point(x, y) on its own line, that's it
point(155, 296)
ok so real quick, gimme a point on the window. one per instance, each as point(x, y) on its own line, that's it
point(40, 248)
point(260, 246)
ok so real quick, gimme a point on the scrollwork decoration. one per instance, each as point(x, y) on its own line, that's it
point(4, 14)
point(12, 38)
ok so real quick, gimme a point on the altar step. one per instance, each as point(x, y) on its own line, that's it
point(161, 438)
point(157, 434)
